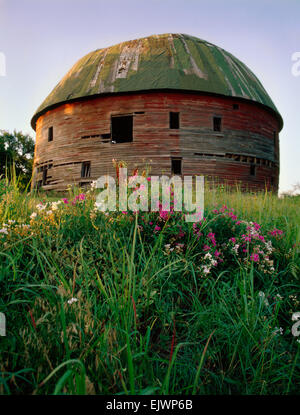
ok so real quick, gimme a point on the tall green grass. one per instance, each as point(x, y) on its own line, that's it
point(143, 322)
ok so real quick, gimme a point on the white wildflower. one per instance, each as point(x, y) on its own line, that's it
point(269, 247)
point(33, 215)
point(40, 206)
point(262, 295)
point(4, 230)
point(278, 330)
point(72, 300)
point(206, 269)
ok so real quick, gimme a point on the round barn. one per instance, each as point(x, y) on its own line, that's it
point(172, 102)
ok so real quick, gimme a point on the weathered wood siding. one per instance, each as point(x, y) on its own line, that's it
point(249, 136)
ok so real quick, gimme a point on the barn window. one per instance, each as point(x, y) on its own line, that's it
point(252, 170)
point(86, 169)
point(50, 134)
point(174, 120)
point(235, 106)
point(122, 128)
point(217, 123)
point(176, 165)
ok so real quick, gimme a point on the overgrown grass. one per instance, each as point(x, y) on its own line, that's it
point(144, 316)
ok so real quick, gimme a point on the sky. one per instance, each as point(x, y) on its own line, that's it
point(41, 39)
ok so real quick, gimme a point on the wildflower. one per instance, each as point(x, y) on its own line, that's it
point(179, 247)
point(211, 236)
point(3, 230)
point(168, 248)
point(40, 206)
point(164, 214)
point(206, 248)
point(206, 269)
point(236, 248)
point(278, 330)
point(269, 247)
point(254, 257)
point(33, 215)
point(246, 238)
point(65, 200)
point(256, 226)
point(296, 316)
point(72, 300)
point(262, 295)
point(276, 232)
point(233, 240)
point(157, 228)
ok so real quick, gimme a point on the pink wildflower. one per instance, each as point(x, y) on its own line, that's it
point(254, 257)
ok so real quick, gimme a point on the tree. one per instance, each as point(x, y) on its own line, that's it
point(16, 149)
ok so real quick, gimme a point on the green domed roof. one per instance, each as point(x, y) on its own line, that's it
point(168, 61)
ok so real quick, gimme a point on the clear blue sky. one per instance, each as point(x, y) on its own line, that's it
point(42, 39)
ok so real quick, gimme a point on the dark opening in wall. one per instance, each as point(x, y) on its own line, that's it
point(235, 106)
point(252, 170)
point(217, 123)
point(122, 128)
point(45, 176)
point(176, 165)
point(107, 135)
point(174, 120)
point(50, 134)
point(86, 169)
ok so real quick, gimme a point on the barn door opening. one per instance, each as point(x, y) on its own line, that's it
point(176, 165)
point(122, 128)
